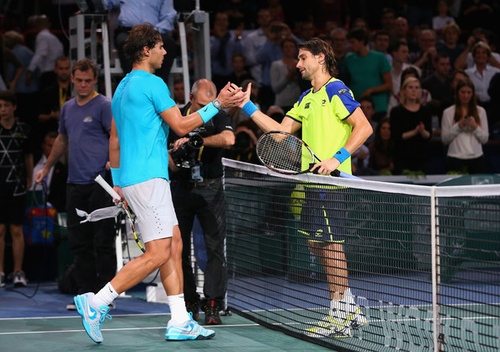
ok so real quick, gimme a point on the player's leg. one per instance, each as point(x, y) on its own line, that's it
point(332, 258)
point(181, 326)
point(183, 203)
point(323, 221)
point(147, 201)
point(336, 323)
point(94, 308)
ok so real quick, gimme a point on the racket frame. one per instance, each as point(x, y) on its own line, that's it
point(301, 142)
point(118, 201)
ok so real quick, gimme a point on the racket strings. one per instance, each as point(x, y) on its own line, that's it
point(281, 152)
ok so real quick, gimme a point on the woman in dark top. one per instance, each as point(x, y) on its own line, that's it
point(411, 124)
point(381, 149)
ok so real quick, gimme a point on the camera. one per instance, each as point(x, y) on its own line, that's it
point(186, 155)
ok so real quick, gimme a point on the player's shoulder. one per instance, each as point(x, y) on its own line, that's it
point(336, 87)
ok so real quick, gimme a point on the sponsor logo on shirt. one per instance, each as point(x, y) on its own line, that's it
point(343, 91)
point(88, 119)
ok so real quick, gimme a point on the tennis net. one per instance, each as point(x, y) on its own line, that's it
point(422, 260)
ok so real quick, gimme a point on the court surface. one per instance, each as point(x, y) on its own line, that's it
point(42, 323)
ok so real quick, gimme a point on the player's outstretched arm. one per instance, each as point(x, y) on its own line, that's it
point(262, 120)
point(231, 95)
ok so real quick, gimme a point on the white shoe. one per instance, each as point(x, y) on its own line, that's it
point(92, 317)
point(20, 279)
point(189, 330)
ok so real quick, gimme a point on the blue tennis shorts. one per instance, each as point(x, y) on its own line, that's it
point(323, 215)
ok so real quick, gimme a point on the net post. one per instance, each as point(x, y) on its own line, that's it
point(434, 269)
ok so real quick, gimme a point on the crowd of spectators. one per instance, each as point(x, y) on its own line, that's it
point(256, 41)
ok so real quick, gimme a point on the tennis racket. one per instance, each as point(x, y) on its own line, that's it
point(129, 214)
point(287, 154)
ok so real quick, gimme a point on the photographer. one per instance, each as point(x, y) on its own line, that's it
point(197, 191)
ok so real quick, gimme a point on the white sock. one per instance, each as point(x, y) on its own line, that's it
point(178, 309)
point(349, 300)
point(105, 296)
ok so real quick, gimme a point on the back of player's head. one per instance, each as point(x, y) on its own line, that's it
point(140, 36)
point(317, 46)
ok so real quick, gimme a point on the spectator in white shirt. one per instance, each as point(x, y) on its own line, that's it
point(464, 127)
point(443, 17)
point(254, 40)
point(47, 49)
point(482, 72)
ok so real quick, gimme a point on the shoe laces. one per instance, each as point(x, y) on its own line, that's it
point(105, 315)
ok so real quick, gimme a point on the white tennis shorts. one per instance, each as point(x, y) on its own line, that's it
point(151, 202)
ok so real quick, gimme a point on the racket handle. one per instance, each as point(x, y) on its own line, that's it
point(336, 173)
point(116, 197)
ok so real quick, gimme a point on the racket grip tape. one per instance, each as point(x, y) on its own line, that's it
point(333, 173)
point(107, 188)
point(336, 173)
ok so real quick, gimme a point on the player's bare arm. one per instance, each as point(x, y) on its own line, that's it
point(231, 95)
point(266, 123)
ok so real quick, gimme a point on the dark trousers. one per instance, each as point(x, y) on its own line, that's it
point(466, 166)
point(208, 203)
point(92, 243)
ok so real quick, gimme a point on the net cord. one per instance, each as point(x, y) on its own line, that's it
point(395, 188)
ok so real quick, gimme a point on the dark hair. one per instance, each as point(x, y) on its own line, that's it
point(317, 46)
point(288, 39)
point(85, 65)
point(381, 32)
point(377, 140)
point(409, 71)
point(359, 34)
point(388, 10)
point(140, 36)
point(50, 134)
point(441, 55)
point(366, 98)
point(397, 45)
point(456, 72)
point(63, 59)
point(8, 95)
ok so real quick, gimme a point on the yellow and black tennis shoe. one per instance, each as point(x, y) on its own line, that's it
point(357, 319)
point(330, 327)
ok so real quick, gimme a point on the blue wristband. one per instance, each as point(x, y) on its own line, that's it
point(115, 175)
point(208, 111)
point(249, 108)
point(342, 155)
